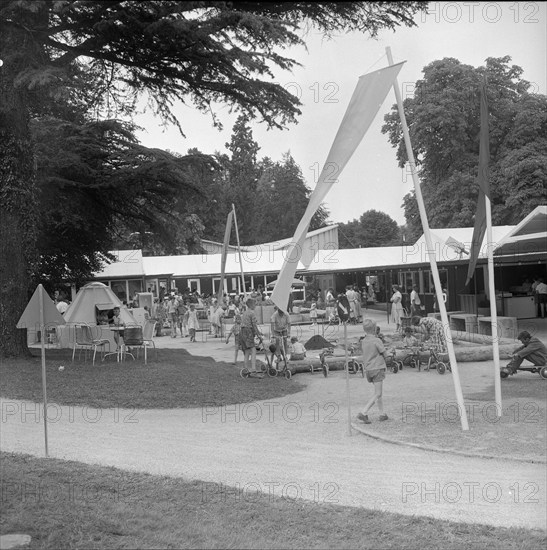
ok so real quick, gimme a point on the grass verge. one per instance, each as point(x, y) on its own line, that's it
point(175, 380)
point(427, 414)
point(64, 504)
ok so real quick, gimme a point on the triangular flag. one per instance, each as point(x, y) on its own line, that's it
point(483, 180)
point(367, 98)
point(31, 315)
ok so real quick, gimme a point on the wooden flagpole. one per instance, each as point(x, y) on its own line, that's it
point(43, 337)
point(239, 251)
point(430, 252)
point(347, 375)
point(493, 309)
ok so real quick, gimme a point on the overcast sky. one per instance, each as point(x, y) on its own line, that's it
point(467, 31)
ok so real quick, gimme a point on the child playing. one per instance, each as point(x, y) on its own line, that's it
point(116, 321)
point(216, 320)
point(281, 328)
point(249, 329)
point(313, 315)
point(297, 350)
point(380, 335)
point(374, 363)
point(409, 340)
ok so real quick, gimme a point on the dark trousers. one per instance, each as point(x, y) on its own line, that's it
point(534, 358)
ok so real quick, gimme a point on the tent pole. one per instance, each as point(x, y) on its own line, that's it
point(239, 251)
point(430, 252)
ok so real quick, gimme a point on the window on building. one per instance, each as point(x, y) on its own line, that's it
point(119, 289)
point(134, 286)
point(443, 275)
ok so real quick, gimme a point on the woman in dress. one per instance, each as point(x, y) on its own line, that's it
point(396, 306)
point(433, 330)
point(249, 329)
point(192, 322)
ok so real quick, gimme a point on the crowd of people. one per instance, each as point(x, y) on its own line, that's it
point(179, 314)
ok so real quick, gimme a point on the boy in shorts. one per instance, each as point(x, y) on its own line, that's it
point(373, 355)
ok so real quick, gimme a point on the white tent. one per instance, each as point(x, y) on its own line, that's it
point(91, 297)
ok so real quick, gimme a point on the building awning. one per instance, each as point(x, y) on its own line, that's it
point(104, 307)
point(528, 238)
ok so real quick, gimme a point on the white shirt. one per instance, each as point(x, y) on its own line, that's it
point(62, 307)
point(415, 298)
point(541, 288)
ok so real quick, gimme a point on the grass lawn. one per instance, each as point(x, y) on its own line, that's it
point(431, 418)
point(71, 505)
point(175, 380)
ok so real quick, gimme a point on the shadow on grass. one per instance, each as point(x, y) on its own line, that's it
point(175, 380)
point(429, 416)
point(520, 386)
point(64, 504)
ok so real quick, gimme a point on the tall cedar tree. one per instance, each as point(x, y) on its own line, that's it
point(281, 199)
point(198, 52)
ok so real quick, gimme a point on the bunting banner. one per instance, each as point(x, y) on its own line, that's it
point(367, 98)
point(483, 181)
point(225, 246)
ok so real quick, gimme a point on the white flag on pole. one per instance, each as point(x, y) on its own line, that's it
point(369, 94)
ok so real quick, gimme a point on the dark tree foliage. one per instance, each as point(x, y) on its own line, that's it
point(103, 54)
point(269, 197)
point(444, 124)
point(95, 180)
point(242, 177)
point(373, 229)
point(281, 199)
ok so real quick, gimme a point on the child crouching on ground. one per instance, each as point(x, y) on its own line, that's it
point(374, 362)
point(297, 350)
point(409, 340)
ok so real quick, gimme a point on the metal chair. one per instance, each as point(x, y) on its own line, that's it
point(148, 337)
point(98, 343)
point(83, 339)
point(133, 336)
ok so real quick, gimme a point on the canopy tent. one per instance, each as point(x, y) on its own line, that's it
point(93, 297)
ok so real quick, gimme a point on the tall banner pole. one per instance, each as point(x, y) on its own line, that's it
point(43, 336)
point(239, 251)
point(430, 253)
point(347, 374)
point(493, 309)
point(225, 245)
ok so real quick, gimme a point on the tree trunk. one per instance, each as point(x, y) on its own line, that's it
point(17, 193)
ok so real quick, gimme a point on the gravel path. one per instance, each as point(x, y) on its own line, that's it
point(296, 446)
